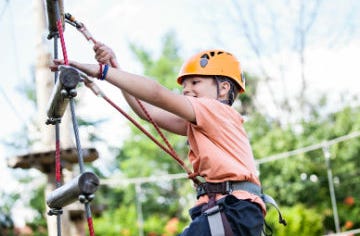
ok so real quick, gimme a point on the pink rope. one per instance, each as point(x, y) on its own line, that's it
point(91, 226)
point(63, 47)
point(57, 162)
point(62, 40)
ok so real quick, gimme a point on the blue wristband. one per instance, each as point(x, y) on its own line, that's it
point(106, 68)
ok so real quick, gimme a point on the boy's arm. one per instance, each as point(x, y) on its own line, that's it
point(153, 93)
point(164, 119)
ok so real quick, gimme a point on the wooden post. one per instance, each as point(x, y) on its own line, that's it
point(80, 188)
point(64, 89)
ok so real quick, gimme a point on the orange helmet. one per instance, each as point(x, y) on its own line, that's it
point(213, 62)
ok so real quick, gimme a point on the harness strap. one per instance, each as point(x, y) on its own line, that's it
point(215, 222)
point(228, 187)
point(268, 199)
point(218, 223)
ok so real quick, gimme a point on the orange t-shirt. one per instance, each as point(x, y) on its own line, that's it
point(219, 148)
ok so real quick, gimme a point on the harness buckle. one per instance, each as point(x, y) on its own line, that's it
point(228, 187)
point(214, 188)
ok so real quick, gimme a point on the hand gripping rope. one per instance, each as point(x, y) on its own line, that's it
point(91, 84)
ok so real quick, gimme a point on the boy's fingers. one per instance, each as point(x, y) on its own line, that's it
point(114, 63)
point(54, 65)
point(58, 61)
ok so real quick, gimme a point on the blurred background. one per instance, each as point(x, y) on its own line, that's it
point(302, 111)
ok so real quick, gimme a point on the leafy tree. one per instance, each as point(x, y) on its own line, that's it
point(301, 221)
point(6, 222)
point(37, 202)
point(296, 178)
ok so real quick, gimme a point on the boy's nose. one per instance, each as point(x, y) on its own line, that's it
point(185, 90)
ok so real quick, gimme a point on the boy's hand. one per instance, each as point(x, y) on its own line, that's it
point(89, 69)
point(104, 55)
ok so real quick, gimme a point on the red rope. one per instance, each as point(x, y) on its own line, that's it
point(157, 128)
point(170, 152)
point(63, 47)
point(57, 152)
point(57, 162)
point(91, 226)
point(62, 40)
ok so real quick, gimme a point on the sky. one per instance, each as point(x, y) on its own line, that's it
point(332, 52)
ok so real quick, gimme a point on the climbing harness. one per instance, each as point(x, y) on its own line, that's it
point(213, 210)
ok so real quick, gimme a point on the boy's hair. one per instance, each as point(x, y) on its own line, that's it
point(234, 87)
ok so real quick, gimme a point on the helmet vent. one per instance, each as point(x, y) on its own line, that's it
point(203, 62)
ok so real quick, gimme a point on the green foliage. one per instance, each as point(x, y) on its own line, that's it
point(293, 179)
point(301, 221)
point(6, 222)
point(37, 202)
point(165, 68)
point(7, 201)
point(247, 99)
point(117, 221)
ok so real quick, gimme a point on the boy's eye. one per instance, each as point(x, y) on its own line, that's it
point(195, 82)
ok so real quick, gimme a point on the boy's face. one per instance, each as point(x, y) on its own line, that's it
point(196, 86)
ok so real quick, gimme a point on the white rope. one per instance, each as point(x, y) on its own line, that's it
point(309, 148)
point(116, 180)
point(346, 233)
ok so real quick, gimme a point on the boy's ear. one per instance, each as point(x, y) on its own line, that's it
point(224, 87)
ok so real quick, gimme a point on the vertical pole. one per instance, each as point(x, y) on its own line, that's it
point(43, 90)
point(331, 187)
point(44, 84)
point(139, 209)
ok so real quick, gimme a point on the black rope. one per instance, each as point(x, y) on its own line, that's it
point(77, 137)
point(84, 199)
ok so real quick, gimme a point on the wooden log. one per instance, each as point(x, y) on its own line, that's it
point(64, 89)
point(85, 184)
point(55, 9)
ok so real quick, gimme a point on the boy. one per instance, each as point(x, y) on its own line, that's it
point(229, 200)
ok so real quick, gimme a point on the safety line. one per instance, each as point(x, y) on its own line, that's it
point(177, 159)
